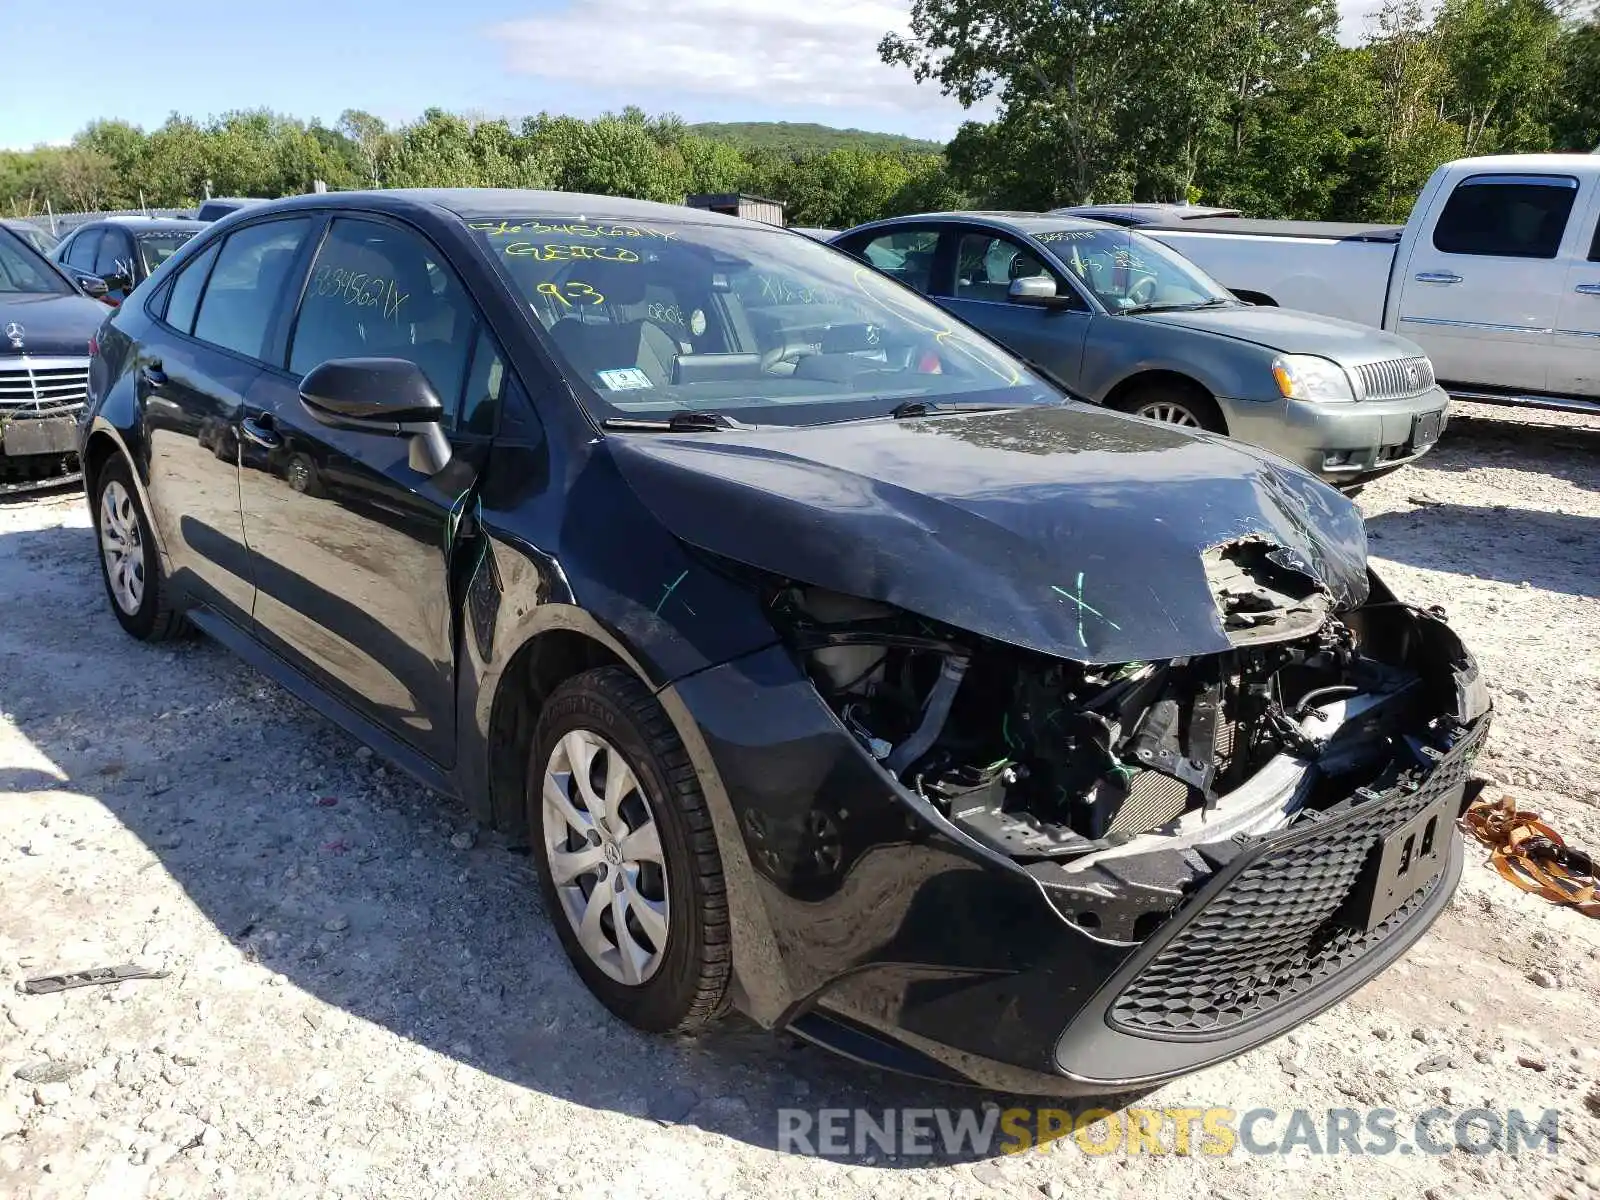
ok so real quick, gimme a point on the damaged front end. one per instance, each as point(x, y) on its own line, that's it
point(1123, 788)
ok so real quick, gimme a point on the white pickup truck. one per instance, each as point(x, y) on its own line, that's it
point(1496, 274)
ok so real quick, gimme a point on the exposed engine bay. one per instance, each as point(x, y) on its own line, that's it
point(1115, 784)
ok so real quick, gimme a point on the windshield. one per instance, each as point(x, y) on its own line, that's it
point(663, 317)
point(22, 270)
point(156, 248)
point(1128, 270)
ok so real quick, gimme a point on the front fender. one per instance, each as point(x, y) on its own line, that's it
point(1225, 367)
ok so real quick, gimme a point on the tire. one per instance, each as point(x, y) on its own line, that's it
point(605, 718)
point(136, 587)
point(1180, 404)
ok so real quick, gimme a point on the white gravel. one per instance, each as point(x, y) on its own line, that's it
point(366, 1001)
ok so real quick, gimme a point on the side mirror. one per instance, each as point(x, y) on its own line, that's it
point(1038, 290)
point(387, 396)
point(93, 286)
point(116, 281)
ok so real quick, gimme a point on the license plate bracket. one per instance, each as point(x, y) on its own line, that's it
point(44, 435)
point(1407, 860)
point(1425, 430)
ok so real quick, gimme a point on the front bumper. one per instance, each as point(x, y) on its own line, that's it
point(1339, 442)
point(867, 922)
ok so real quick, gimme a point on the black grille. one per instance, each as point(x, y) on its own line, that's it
point(1275, 930)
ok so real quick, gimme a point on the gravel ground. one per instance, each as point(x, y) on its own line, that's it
point(364, 999)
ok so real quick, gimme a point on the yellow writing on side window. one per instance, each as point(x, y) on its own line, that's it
point(559, 253)
point(360, 288)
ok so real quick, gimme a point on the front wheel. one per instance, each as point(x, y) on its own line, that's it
point(1175, 405)
point(627, 858)
point(140, 594)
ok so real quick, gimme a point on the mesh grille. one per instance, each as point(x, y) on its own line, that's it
point(1396, 378)
point(1275, 931)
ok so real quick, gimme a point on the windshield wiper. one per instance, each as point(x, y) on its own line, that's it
point(696, 421)
point(1186, 306)
point(923, 408)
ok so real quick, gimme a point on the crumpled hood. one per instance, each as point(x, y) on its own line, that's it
point(52, 326)
point(1290, 331)
point(1068, 530)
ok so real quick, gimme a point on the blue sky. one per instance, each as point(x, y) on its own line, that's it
point(708, 60)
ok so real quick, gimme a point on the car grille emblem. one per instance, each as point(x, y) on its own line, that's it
point(15, 331)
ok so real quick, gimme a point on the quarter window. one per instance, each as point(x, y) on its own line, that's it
point(486, 384)
point(1506, 216)
point(906, 255)
point(378, 291)
point(246, 285)
point(184, 295)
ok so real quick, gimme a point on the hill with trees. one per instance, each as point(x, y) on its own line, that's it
point(786, 137)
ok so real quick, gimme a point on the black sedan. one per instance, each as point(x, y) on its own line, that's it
point(834, 665)
point(122, 251)
point(45, 328)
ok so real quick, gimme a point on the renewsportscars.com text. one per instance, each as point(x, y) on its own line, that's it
point(842, 1132)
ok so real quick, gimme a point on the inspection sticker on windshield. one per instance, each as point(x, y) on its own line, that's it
point(625, 379)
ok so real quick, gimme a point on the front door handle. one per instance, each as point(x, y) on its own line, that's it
point(1588, 289)
point(1444, 277)
point(259, 430)
point(152, 374)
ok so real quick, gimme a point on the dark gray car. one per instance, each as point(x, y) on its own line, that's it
point(1126, 322)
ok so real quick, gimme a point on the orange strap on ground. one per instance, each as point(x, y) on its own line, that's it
point(1533, 856)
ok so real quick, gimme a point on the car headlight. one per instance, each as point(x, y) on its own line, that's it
point(1307, 377)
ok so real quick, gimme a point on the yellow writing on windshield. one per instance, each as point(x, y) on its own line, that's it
point(507, 228)
point(560, 253)
point(570, 293)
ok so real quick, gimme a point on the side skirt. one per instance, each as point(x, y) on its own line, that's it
point(384, 744)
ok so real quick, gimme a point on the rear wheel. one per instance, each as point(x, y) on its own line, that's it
point(1175, 404)
point(140, 594)
point(626, 855)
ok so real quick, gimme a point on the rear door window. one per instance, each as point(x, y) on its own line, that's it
point(906, 255)
point(247, 284)
point(1506, 216)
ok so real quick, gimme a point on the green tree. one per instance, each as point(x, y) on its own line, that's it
point(1499, 56)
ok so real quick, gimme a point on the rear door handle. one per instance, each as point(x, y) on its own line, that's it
point(1444, 277)
point(259, 430)
point(1588, 289)
point(152, 373)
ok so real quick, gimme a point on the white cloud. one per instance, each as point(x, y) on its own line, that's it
point(778, 53)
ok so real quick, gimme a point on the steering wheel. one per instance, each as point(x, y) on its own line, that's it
point(1143, 290)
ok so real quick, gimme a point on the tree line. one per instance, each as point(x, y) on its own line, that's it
point(1253, 104)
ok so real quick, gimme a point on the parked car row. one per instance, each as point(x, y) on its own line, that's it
point(1496, 274)
point(836, 664)
point(46, 323)
point(1123, 321)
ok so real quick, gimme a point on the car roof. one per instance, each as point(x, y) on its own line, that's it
point(138, 224)
point(1027, 223)
point(1149, 208)
point(475, 204)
